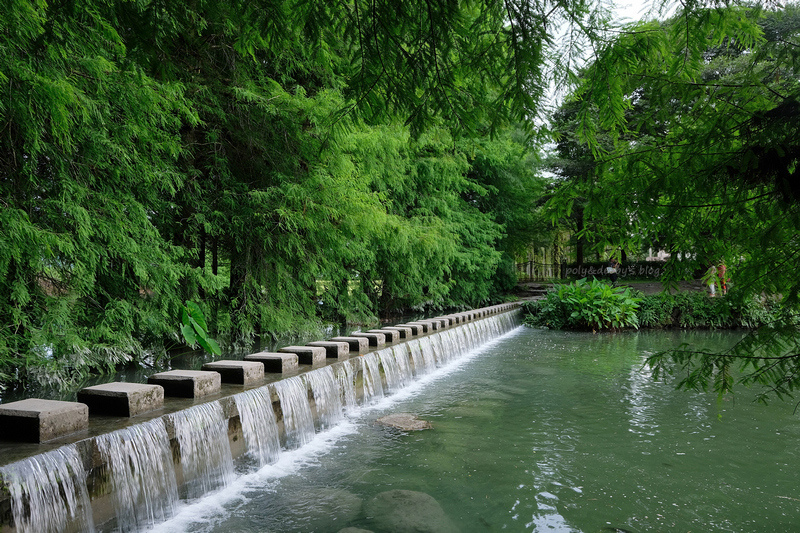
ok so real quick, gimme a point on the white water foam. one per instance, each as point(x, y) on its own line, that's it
point(203, 514)
point(48, 491)
point(139, 460)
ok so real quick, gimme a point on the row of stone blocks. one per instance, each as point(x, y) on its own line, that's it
point(38, 420)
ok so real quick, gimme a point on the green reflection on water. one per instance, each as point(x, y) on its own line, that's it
point(552, 431)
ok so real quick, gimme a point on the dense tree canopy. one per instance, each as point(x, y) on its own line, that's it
point(285, 162)
point(693, 126)
point(277, 162)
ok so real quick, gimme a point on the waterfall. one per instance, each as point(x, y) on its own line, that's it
point(400, 354)
point(327, 397)
point(416, 358)
point(143, 483)
point(442, 351)
point(298, 421)
point(427, 352)
point(347, 384)
point(455, 337)
point(422, 365)
point(472, 340)
point(48, 492)
point(390, 371)
point(205, 458)
point(371, 374)
point(259, 427)
point(147, 474)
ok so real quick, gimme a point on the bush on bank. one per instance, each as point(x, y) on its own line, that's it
point(582, 305)
point(585, 305)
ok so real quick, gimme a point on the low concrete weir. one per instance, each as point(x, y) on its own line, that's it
point(135, 476)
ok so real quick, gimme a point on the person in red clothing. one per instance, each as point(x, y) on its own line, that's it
point(722, 272)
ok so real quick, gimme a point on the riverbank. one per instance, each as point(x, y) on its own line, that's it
point(534, 289)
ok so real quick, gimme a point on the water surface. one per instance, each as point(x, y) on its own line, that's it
point(540, 431)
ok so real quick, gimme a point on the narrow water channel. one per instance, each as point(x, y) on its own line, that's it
point(538, 431)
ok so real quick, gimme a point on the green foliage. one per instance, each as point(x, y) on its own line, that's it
point(195, 330)
point(697, 310)
point(594, 305)
point(692, 127)
point(765, 358)
point(257, 158)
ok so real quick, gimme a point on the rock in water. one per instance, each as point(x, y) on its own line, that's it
point(319, 508)
point(404, 421)
point(407, 511)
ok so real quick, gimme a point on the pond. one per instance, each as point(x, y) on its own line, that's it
point(537, 431)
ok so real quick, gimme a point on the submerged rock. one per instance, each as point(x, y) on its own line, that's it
point(355, 530)
point(321, 507)
point(404, 421)
point(407, 511)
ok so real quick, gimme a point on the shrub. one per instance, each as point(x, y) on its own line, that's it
point(656, 311)
point(594, 305)
point(697, 310)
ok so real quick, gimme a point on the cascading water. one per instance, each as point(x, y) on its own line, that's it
point(327, 397)
point(346, 377)
point(416, 358)
point(259, 427)
point(206, 460)
point(373, 384)
point(143, 482)
point(298, 421)
point(390, 371)
point(444, 353)
point(428, 354)
point(48, 492)
point(400, 354)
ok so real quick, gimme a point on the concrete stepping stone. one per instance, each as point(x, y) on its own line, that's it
point(447, 321)
point(442, 322)
point(122, 399)
point(334, 349)
point(307, 355)
point(375, 339)
point(238, 372)
point(187, 383)
point(37, 420)
point(391, 335)
point(359, 345)
point(275, 362)
point(416, 329)
point(406, 332)
point(425, 327)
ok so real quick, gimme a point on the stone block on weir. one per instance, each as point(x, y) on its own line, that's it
point(416, 329)
point(274, 362)
point(307, 355)
point(425, 327)
point(359, 345)
point(36, 420)
point(405, 331)
point(122, 399)
point(238, 372)
point(391, 335)
point(375, 339)
point(187, 383)
point(334, 349)
point(446, 320)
